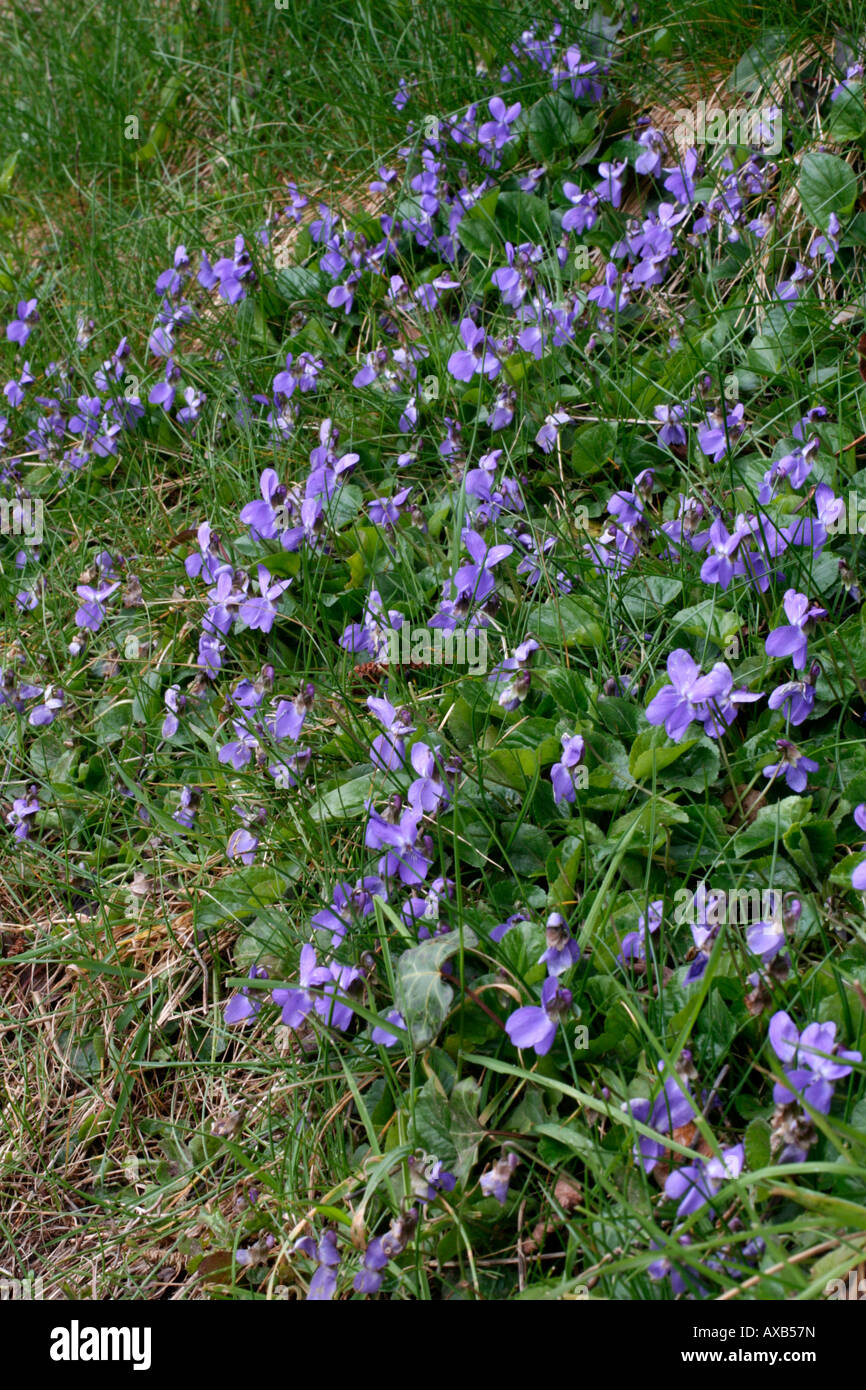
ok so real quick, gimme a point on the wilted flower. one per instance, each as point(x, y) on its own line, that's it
point(495, 1182)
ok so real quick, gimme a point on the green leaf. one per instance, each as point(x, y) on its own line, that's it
point(848, 113)
point(477, 232)
point(708, 620)
point(244, 892)
point(527, 747)
point(526, 848)
point(757, 1144)
point(592, 447)
point(447, 1126)
point(516, 767)
point(478, 237)
point(345, 802)
point(344, 505)
point(644, 598)
point(562, 869)
point(431, 1120)
point(53, 763)
point(282, 563)
point(699, 767)
point(571, 621)
point(555, 125)
point(842, 872)
point(421, 994)
point(651, 752)
point(764, 355)
point(7, 172)
point(522, 217)
point(263, 942)
point(298, 284)
point(772, 821)
point(653, 818)
point(827, 184)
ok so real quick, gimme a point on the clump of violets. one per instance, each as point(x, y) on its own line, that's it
point(384, 1248)
point(349, 905)
point(814, 1062)
point(695, 1185)
point(691, 696)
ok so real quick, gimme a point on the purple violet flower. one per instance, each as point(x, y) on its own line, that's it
point(791, 639)
point(793, 765)
point(534, 1026)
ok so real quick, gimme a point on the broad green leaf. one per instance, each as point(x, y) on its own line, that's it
point(7, 172)
point(569, 620)
point(592, 447)
point(555, 126)
point(772, 821)
point(244, 892)
point(652, 751)
point(522, 217)
point(345, 802)
point(848, 113)
point(827, 184)
point(708, 620)
point(298, 283)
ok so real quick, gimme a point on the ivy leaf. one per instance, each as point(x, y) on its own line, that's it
point(447, 1126)
point(421, 994)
